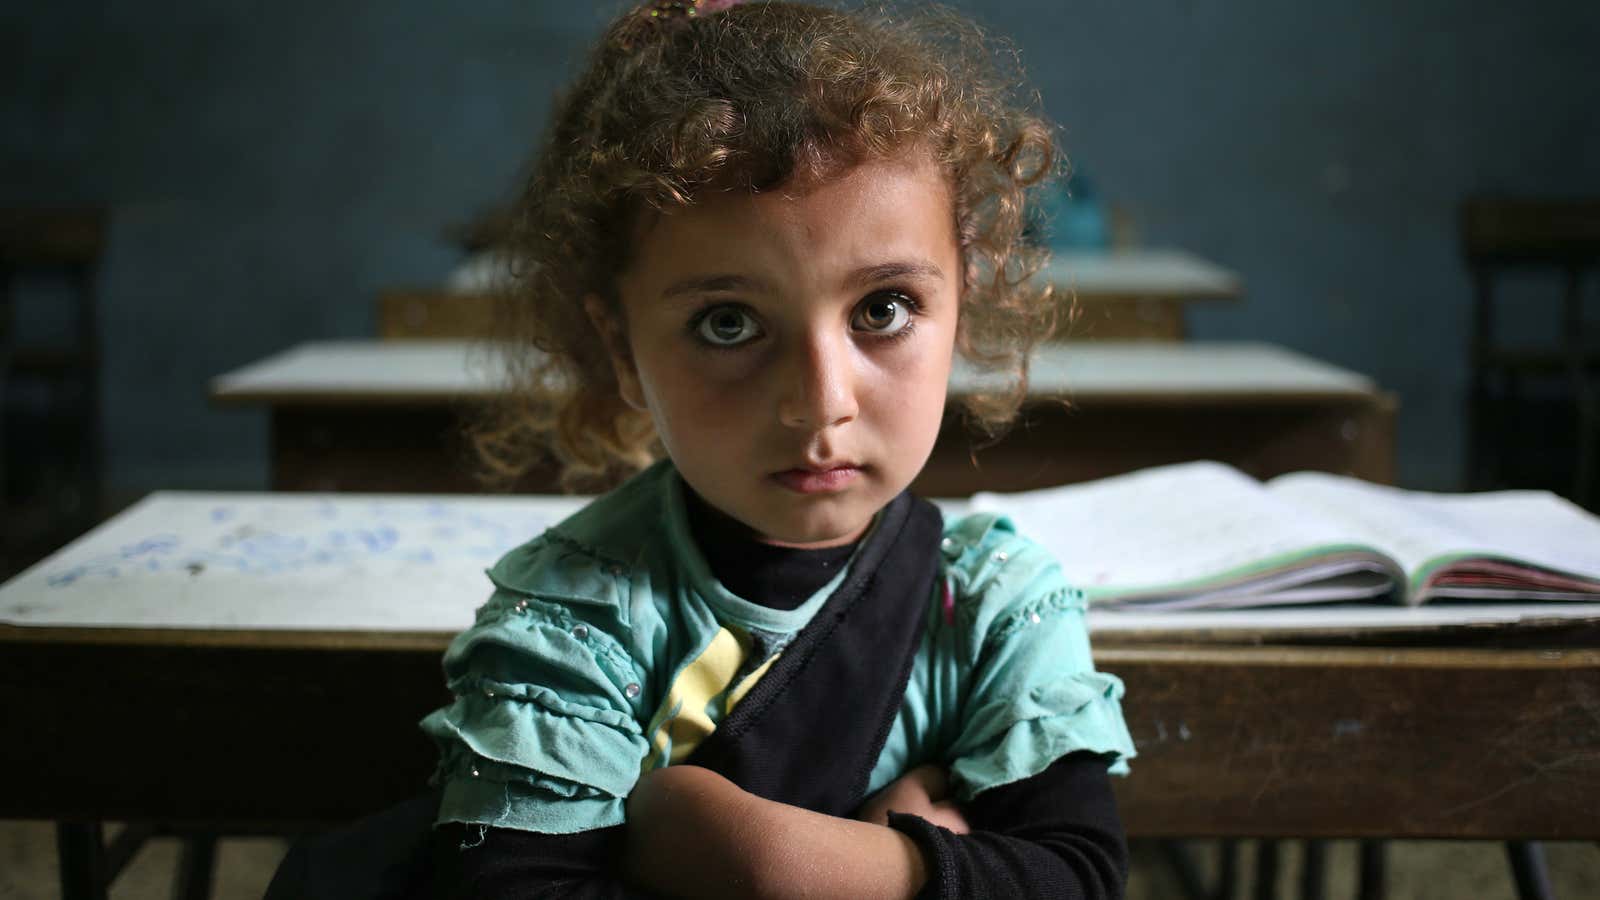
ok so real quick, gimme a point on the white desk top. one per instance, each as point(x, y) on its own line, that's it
point(399, 563)
point(363, 368)
point(1134, 274)
point(325, 371)
point(1141, 275)
point(281, 561)
point(1106, 370)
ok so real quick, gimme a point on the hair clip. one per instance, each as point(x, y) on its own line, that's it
point(671, 9)
point(649, 19)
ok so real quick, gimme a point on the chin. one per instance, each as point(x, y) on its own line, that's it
point(822, 528)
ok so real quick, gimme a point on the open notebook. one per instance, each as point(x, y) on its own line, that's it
point(1204, 535)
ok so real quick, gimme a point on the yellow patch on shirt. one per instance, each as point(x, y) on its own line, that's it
point(749, 682)
point(681, 722)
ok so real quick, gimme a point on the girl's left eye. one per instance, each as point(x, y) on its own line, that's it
point(886, 312)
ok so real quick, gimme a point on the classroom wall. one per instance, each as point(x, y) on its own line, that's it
point(268, 169)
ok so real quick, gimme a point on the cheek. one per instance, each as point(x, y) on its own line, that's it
point(916, 380)
point(687, 398)
point(923, 401)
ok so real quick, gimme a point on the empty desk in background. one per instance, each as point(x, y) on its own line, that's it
point(1136, 294)
point(260, 661)
point(386, 416)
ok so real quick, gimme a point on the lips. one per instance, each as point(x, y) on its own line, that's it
point(818, 480)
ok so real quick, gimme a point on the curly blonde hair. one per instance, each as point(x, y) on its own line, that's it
point(753, 96)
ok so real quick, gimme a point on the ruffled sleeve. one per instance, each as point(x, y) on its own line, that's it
point(1034, 695)
point(543, 733)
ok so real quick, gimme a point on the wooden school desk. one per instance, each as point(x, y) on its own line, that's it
point(1131, 294)
point(385, 416)
point(1136, 294)
point(257, 661)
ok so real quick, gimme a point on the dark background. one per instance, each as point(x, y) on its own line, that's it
point(268, 168)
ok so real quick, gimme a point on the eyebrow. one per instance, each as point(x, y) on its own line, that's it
point(917, 268)
point(732, 283)
point(711, 284)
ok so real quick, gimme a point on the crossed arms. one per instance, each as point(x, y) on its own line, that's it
point(693, 833)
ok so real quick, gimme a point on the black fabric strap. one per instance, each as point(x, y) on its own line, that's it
point(847, 669)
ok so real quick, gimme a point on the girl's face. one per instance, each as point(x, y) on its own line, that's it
point(793, 347)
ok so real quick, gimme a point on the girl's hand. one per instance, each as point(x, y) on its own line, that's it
point(923, 791)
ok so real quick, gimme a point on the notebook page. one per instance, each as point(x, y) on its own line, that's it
point(1536, 527)
point(1472, 593)
point(1415, 527)
point(1191, 524)
point(1408, 534)
point(1342, 620)
point(1342, 579)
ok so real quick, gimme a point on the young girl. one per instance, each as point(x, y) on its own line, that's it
point(749, 251)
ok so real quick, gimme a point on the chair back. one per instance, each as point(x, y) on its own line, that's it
point(1507, 231)
point(1563, 236)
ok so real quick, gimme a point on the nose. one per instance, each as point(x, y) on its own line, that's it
point(819, 384)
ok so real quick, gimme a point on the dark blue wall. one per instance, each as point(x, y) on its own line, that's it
point(269, 168)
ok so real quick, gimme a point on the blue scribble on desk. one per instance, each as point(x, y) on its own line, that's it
point(109, 565)
point(242, 541)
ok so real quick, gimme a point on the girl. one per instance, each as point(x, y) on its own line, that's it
point(751, 247)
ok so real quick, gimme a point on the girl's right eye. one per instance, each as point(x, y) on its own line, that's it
point(727, 326)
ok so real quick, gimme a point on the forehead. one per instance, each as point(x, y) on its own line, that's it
point(872, 212)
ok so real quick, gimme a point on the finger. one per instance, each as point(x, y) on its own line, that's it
point(933, 779)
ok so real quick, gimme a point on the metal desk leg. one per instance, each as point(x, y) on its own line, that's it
point(196, 868)
point(1528, 870)
point(1313, 865)
point(1181, 863)
point(1227, 869)
point(1372, 870)
point(1266, 870)
point(80, 853)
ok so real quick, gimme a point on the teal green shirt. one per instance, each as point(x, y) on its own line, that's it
point(609, 648)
